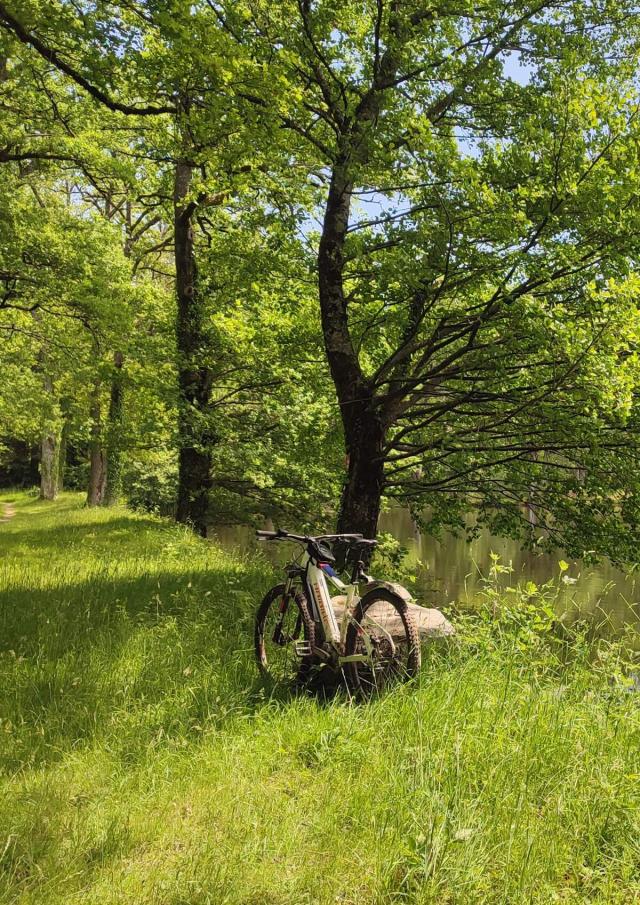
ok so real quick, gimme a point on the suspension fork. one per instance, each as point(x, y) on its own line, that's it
point(277, 637)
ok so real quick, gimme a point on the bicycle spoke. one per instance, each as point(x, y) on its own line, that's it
point(381, 635)
point(282, 626)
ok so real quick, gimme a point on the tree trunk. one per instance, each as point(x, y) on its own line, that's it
point(195, 438)
point(343, 361)
point(113, 455)
point(97, 458)
point(64, 433)
point(363, 426)
point(49, 447)
point(362, 491)
point(62, 460)
point(49, 452)
point(363, 429)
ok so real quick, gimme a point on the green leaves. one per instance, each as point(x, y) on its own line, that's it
point(488, 269)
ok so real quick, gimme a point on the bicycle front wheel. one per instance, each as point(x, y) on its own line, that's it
point(383, 632)
point(284, 636)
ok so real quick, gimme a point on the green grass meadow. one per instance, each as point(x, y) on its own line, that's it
point(141, 761)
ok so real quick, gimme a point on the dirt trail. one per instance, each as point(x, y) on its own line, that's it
point(9, 512)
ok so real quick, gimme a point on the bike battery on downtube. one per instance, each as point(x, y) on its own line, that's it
point(318, 587)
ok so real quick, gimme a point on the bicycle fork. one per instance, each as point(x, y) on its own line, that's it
point(278, 637)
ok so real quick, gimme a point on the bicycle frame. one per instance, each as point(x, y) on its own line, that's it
point(318, 592)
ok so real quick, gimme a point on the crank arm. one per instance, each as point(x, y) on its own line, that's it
point(322, 654)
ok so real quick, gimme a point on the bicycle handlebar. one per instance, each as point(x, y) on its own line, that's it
point(305, 539)
point(281, 535)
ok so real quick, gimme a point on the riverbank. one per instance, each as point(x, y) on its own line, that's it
point(141, 762)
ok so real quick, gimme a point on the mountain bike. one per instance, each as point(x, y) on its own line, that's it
point(367, 632)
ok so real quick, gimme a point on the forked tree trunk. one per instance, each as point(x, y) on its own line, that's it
point(195, 440)
point(360, 410)
point(97, 458)
point(363, 429)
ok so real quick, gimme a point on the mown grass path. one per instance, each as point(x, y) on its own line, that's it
point(9, 510)
point(142, 763)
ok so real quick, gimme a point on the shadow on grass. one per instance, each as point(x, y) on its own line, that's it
point(56, 619)
point(157, 657)
point(130, 666)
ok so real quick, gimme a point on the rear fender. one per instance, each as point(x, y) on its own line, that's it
point(391, 586)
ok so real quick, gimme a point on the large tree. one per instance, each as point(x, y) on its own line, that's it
point(473, 174)
point(475, 260)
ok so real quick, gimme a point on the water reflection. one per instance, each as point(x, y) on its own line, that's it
point(449, 570)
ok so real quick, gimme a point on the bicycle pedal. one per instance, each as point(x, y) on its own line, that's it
point(303, 648)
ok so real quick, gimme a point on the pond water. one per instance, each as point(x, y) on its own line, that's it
point(450, 571)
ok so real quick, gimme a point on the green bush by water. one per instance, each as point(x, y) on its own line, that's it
point(142, 762)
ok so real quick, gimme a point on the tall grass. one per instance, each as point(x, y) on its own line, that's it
point(142, 761)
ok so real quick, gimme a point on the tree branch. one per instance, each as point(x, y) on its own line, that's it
point(11, 24)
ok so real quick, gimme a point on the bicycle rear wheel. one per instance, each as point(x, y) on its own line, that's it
point(284, 636)
point(383, 630)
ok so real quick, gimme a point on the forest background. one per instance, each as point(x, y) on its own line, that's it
point(295, 260)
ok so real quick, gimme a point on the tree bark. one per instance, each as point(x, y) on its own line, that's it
point(343, 360)
point(113, 452)
point(63, 442)
point(49, 448)
point(97, 458)
point(364, 426)
point(362, 491)
point(62, 456)
point(49, 452)
point(195, 438)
